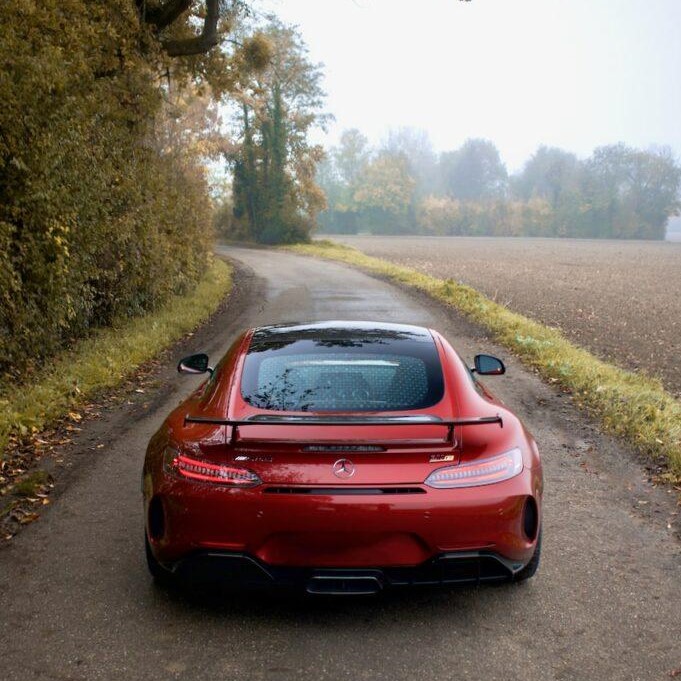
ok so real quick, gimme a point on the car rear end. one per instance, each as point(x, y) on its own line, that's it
point(341, 496)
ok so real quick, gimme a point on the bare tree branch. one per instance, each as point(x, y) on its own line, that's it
point(207, 39)
point(165, 14)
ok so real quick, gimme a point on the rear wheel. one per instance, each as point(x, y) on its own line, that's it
point(529, 570)
point(160, 574)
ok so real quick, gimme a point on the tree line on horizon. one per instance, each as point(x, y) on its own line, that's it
point(403, 187)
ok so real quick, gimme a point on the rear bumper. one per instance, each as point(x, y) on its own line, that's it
point(325, 530)
point(241, 571)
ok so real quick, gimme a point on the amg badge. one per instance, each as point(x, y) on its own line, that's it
point(436, 458)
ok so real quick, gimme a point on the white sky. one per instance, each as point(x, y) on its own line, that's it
point(570, 73)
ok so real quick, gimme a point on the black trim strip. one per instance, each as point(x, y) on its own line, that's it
point(239, 570)
point(341, 491)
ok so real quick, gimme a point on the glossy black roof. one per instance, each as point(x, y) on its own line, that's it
point(337, 332)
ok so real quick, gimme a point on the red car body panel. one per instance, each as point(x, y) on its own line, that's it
point(299, 516)
point(338, 530)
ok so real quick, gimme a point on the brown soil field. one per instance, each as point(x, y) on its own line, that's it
point(619, 299)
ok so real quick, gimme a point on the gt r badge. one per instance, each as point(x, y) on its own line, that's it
point(343, 468)
point(436, 458)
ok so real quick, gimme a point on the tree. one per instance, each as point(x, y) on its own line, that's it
point(654, 191)
point(276, 198)
point(338, 176)
point(174, 24)
point(548, 174)
point(197, 42)
point(629, 193)
point(416, 147)
point(474, 172)
point(351, 156)
point(384, 193)
point(165, 16)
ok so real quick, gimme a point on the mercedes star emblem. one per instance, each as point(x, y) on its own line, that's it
point(343, 468)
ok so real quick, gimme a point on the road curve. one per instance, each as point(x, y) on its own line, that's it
point(76, 601)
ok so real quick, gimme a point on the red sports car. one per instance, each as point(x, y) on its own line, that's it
point(342, 457)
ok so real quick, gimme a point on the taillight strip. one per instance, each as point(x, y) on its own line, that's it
point(204, 471)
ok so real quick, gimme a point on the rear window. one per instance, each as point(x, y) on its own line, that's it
point(373, 374)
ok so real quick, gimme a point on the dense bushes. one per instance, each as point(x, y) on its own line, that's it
point(444, 216)
point(96, 221)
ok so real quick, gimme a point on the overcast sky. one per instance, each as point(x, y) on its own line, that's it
point(569, 73)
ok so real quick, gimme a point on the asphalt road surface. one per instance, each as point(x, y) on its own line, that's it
point(76, 601)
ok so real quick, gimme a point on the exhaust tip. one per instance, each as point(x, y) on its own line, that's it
point(344, 585)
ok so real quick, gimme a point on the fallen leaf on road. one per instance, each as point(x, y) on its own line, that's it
point(28, 518)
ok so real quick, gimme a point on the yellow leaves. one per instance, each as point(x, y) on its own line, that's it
point(257, 51)
point(445, 216)
point(26, 518)
point(385, 184)
point(18, 164)
point(97, 218)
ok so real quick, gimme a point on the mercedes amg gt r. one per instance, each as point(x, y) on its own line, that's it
point(342, 458)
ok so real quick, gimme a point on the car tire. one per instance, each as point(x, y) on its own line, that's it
point(161, 575)
point(529, 570)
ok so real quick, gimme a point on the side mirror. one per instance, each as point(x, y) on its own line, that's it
point(194, 364)
point(488, 365)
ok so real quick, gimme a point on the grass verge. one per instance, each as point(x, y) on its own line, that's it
point(633, 406)
point(106, 358)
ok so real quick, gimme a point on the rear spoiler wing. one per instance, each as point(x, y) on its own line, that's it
point(266, 420)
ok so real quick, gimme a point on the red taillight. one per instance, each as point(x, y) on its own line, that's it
point(474, 473)
point(222, 474)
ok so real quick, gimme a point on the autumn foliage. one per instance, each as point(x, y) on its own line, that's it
point(275, 198)
point(99, 218)
point(403, 187)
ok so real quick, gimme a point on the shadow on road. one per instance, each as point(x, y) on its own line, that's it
point(284, 605)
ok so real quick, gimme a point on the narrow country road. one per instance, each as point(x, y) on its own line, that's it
point(76, 601)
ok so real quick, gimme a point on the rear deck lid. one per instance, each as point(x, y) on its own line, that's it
point(360, 451)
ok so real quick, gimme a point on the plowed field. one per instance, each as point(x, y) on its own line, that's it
point(619, 299)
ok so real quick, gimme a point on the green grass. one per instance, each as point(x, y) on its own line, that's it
point(106, 358)
point(632, 406)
